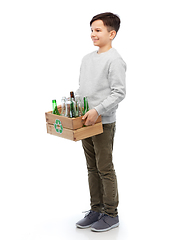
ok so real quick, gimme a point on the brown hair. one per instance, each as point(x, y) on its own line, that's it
point(110, 20)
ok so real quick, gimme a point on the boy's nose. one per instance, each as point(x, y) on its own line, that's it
point(92, 34)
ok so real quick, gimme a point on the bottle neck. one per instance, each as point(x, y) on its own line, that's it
point(54, 105)
point(72, 95)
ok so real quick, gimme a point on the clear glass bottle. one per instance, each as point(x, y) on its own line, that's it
point(67, 107)
point(79, 111)
point(63, 106)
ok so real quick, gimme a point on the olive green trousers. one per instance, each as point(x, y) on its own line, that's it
point(101, 174)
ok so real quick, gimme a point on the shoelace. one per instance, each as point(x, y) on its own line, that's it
point(87, 213)
point(102, 215)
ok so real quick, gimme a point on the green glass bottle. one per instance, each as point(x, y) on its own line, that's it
point(84, 110)
point(86, 105)
point(55, 109)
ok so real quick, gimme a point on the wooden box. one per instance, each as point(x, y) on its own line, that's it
point(71, 128)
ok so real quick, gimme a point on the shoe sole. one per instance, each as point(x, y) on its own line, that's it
point(83, 227)
point(106, 229)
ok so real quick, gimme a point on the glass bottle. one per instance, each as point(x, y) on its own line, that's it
point(72, 95)
point(67, 107)
point(55, 109)
point(86, 105)
point(84, 109)
point(76, 107)
point(63, 106)
point(72, 108)
point(79, 111)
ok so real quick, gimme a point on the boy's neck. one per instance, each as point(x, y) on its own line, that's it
point(104, 49)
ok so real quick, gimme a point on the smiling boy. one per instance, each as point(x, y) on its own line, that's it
point(102, 80)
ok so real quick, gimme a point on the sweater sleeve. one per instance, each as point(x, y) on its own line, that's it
point(116, 77)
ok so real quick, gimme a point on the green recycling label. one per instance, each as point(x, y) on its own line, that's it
point(60, 128)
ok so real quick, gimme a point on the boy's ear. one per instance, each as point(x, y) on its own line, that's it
point(112, 34)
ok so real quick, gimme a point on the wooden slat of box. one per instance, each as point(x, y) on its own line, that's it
point(71, 123)
point(88, 131)
point(67, 133)
point(76, 135)
point(66, 122)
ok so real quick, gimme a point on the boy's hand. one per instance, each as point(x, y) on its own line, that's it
point(91, 117)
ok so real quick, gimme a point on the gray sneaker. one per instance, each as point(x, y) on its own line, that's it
point(105, 223)
point(90, 218)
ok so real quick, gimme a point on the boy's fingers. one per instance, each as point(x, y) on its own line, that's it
point(85, 116)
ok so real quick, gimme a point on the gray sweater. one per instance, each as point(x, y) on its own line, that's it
point(102, 80)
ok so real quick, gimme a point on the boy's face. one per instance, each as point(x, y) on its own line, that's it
point(100, 35)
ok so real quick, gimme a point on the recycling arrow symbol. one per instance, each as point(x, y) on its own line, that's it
point(60, 128)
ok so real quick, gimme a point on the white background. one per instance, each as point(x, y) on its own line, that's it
point(43, 179)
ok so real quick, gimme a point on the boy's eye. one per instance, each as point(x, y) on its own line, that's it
point(97, 30)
